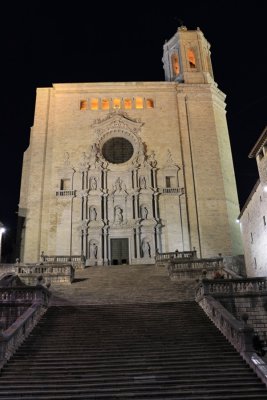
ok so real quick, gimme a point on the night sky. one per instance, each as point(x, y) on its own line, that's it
point(122, 41)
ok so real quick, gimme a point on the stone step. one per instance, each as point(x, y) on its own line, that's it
point(148, 392)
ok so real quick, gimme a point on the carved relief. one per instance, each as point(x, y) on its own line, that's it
point(151, 159)
point(66, 159)
point(84, 163)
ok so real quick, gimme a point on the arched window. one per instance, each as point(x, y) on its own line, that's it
point(94, 104)
point(175, 64)
point(191, 57)
point(149, 103)
point(127, 104)
point(105, 104)
point(116, 103)
point(139, 102)
point(83, 105)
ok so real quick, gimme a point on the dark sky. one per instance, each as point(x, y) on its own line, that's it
point(122, 41)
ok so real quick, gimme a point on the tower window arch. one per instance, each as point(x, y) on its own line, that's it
point(175, 64)
point(191, 57)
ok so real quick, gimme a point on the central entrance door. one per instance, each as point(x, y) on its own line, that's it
point(119, 251)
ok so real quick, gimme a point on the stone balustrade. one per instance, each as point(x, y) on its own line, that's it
point(35, 300)
point(181, 269)
point(4, 268)
point(76, 261)
point(230, 303)
point(160, 257)
point(24, 295)
point(217, 288)
point(237, 332)
point(51, 273)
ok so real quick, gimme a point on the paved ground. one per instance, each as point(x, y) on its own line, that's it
point(121, 285)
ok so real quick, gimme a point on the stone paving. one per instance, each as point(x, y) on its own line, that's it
point(121, 285)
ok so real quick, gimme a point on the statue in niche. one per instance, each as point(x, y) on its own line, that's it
point(144, 212)
point(92, 214)
point(118, 185)
point(146, 249)
point(93, 183)
point(142, 182)
point(118, 215)
point(93, 249)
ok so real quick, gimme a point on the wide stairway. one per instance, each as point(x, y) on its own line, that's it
point(166, 350)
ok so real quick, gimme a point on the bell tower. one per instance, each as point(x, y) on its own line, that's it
point(186, 57)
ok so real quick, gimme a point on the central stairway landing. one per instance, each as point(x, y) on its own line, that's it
point(122, 285)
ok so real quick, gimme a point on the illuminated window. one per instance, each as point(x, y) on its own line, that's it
point(127, 104)
point(94, 104)
point(105, 104)
point(175, 64)
point(116, 103)
point(139, 102)
point(83, 105)
point(65, 184)
point(191, 58)
point(149, 103)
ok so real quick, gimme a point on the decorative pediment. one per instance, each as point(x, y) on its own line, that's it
point(117, 121)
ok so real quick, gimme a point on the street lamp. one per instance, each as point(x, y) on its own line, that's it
point(2, 230)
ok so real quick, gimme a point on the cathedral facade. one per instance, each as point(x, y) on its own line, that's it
point(116, 172)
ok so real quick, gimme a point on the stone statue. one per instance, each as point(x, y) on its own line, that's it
point(93, 249)
point(144, 212)
point(152, 159)
point(118, 217)
point(142, 182)
point(146, 249)
point(93, 183)
point(118, 185)
point(92, 214)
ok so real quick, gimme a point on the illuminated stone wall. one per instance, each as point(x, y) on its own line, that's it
point(177, 190)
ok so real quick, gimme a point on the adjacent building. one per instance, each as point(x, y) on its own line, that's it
point(253, 217)
point(118, 171)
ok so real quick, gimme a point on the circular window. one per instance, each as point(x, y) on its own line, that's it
point(117, 150)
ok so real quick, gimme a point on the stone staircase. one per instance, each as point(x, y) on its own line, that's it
point(130, 351)
point(127, 333)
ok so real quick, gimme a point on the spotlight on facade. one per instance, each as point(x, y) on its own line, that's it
point(237, 221)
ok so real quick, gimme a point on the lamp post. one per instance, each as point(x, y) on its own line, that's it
point(2, 230)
